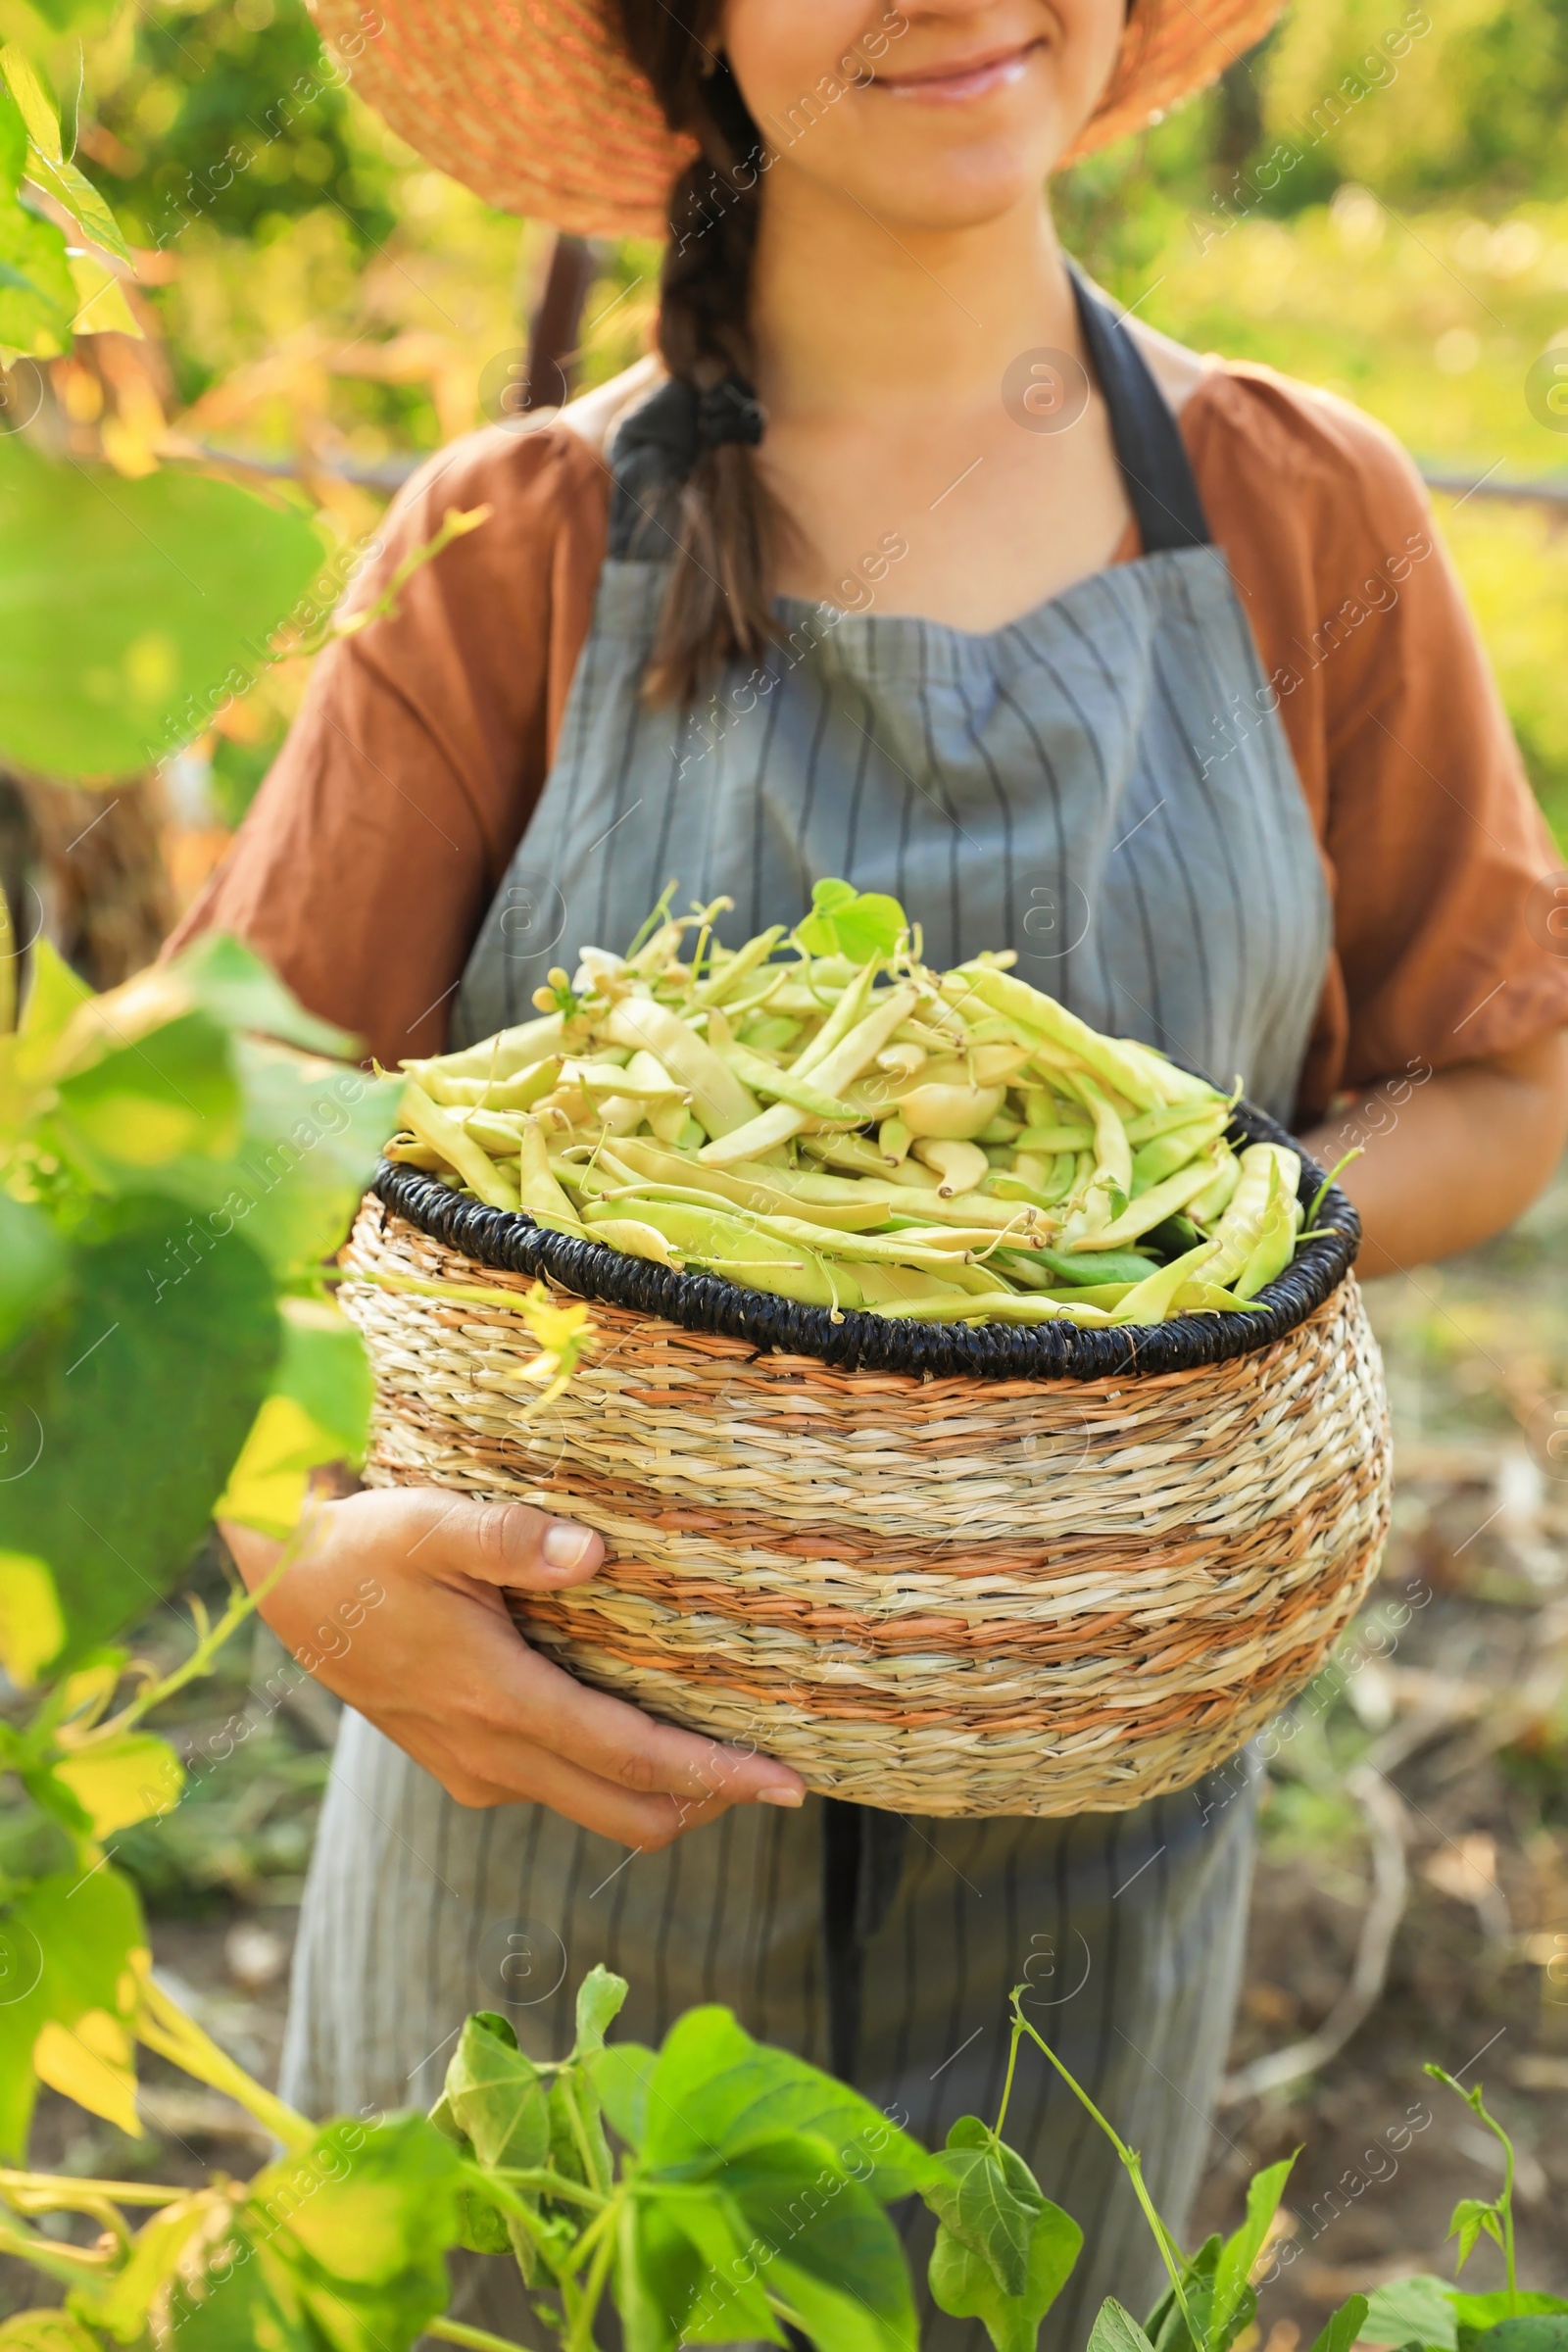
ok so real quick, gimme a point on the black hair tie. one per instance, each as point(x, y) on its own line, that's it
point(730, 411)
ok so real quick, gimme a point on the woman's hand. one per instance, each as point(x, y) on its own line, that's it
point(396, 1603)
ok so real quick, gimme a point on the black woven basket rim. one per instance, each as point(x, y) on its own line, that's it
point(512, 1242)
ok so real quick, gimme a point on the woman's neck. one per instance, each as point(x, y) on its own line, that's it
point(883, 358)
point(853, 315)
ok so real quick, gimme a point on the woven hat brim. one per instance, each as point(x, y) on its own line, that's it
point(534, 105)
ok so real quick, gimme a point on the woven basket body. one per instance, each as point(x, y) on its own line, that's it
point(940, 1595)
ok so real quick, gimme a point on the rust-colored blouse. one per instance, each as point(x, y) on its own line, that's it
point(375, 847)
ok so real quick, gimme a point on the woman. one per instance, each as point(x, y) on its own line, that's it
point(908, 562)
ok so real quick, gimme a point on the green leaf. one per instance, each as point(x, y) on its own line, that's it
point(65, 1950)
point(33, 1845)
point(836, 2262)
point(34, 1268)
point(243, 2295)
point(987, 2199)
point(53, 992)
point(964, 2285)
point(313, 1133)
point(1116, 2330)
point(717, 2093)
point(130, 610)
point(572, 2094)
point(163, 1096)
point(13, 144)
point(226, 979)
point(1474, 2314)
point(872, 926)
point(1469, 2217)
point(1241, 2250)
point(601, 1997)
point(37, 109)
point(102, 307)
point(1538, 2331)
point(818, 933)
point(31, 1628)
point(82, 200)
point(1419, 2308)
point(122, 1781)
point(728, 2301)
point(622, 2074)
point(46, 2332)
point(659, 2274)
point(37, 298)
point(844, 922)
point(361, 2224)
point(132, 1413)
point(1165, 2326)
point(496, 2095)
point(119, 2305)
point(1344, 2327)
point(318, 1411)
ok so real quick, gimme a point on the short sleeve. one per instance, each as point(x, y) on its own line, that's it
point(1431, 841)
point(363, 869)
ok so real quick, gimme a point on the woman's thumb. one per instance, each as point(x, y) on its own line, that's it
point(497, 1542)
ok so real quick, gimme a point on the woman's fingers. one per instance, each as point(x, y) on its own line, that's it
point(513, 1772)
point(617, 1744)
point(513, 1546)
point(504, 1543)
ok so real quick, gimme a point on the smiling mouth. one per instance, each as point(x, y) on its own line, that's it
point(959, 82)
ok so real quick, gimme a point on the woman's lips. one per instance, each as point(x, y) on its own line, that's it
point(956, 84)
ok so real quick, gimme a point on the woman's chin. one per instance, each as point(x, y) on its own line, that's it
point(951, 194)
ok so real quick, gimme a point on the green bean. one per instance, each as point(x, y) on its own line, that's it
point(1204, 1207)
point(542, 1195)
point(478, 1171)
point(1275, 1244)
point(1142, 1077)
point(1109, 1265)
point(717, 1096)
point(753, 1256)
point(722, 982)
point(518, 1092)
point(636, 1240)
point(838, 1022)
point(1164, 1153)
point(498, 1056)
point(854, 1053)
point(868, 1132)
point(1266, 1168)
point(1053, 1138)
point(782, 1086)
point(994, 1306)
point(1141, 1216)
point(1158, 1294)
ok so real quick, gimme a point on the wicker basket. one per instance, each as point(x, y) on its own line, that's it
point(955, 1571)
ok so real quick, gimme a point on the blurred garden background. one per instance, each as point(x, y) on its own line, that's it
point(1375, 201)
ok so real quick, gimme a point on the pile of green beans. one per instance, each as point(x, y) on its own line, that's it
point(858, 1132)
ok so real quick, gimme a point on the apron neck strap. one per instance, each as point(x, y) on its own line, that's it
point(1161, 488)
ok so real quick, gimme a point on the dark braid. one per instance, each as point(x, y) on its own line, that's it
point(719, 607)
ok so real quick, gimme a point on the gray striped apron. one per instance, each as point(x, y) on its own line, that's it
point(1106, 786)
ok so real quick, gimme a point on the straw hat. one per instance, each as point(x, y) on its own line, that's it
point(534, 105)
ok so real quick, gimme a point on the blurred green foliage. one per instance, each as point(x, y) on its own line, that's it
point(229, 113)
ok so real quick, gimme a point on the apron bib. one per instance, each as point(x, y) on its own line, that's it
point(1103, 785)
point(1106, 786)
